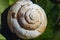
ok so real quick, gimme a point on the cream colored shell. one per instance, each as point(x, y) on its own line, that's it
point(26, 19)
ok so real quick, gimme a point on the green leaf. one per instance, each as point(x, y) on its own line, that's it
point(3, 5)
point(2, 37)
point(11, 2)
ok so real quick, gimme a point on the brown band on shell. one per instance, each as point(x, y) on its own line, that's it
point(18, 13)
point(13, 15)
point(41, 29)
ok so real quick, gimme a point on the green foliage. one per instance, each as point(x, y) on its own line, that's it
point(53, 13)
point(2, 37)
point(4, 4)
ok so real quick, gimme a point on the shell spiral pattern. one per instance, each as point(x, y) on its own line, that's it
point(26, 19)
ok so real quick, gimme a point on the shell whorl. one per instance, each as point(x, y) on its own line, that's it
point(29, 18)
point(26, 19)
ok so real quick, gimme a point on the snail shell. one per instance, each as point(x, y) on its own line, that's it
point(26, 19)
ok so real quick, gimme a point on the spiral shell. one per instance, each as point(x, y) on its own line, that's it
point(26, 19)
